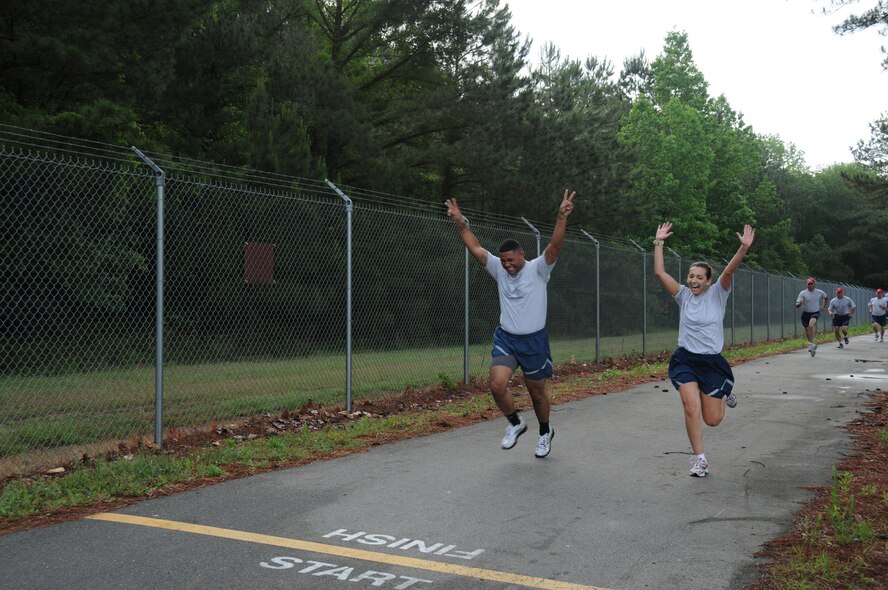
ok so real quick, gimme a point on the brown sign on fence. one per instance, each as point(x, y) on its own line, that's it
point(258, 263)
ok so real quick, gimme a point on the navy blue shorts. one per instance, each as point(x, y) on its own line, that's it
point(880, 319)
point(528, 351)
point(807, 315)
point(711, 372)
point(841, 320)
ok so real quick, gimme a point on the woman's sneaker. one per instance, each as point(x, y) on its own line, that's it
point(700, 468)
point(513, 432)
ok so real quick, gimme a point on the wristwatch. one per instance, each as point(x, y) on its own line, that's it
point(659, 242)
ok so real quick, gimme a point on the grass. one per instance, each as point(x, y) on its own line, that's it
point(45, 412)
point(813, 564)
point(840, 542)
point(820, 570)
point(147, 472)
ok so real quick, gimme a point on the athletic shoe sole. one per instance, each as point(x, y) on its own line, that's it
point(514, 442)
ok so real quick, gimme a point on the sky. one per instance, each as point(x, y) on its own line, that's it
point(778, 62)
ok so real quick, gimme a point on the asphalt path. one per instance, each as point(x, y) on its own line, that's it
point(612, 507)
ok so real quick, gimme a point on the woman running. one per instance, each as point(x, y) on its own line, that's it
point(698, 370)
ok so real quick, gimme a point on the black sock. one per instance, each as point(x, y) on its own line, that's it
point(544, 428)
point(513, 418)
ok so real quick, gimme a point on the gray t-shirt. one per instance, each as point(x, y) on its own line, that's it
point(700, 328)
point(522, 297)
point(841, 306)
point(811, 300)
point(878, 306)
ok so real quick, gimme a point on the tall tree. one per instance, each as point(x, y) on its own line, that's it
point(677, 76)
point(670, 138)
point(872, 154)
point(877, 16)
point(89, 69)
point(670, 180)
point(575, 118)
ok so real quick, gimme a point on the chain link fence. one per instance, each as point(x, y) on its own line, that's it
point(258, 287)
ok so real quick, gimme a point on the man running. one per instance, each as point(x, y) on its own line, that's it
point(812, 301)
point(521, 339)
point(841, 309)
point(878, 308)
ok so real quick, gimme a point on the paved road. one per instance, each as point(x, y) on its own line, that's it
point(612, 506)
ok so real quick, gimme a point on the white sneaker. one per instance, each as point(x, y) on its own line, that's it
point(545, 443)
point(812, 348)
point(513, 432)
point(700, 467)
point(876, 337)
point(731, 400)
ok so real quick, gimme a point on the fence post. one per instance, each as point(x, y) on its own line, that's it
point(160, 180)
point(768, 300)
point(733, 304)
point(349, 207)
point(597, 295)
point(466, 313)
point(676, 254)
point(643, 297)
point(751, 307)
point(536, 233)
point(782, 307)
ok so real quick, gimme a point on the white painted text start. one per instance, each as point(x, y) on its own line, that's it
point(341, 572)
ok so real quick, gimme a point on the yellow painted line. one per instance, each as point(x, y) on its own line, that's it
point(411, 562)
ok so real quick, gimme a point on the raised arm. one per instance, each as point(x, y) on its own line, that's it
point(745, 243)
point(554, 248)
point(468, 238)
point(664, 230)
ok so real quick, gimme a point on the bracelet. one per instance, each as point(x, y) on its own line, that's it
point(659, 242)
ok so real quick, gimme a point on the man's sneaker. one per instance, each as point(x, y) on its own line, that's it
point(812, 348)
point(545, 443)
point(700, 468)
point(846, 340)
point(731, 401)
point(840, 345)
point(876, 337)
point(513, 432)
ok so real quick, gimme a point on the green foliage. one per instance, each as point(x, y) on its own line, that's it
point(446, 381)
point(138, 475)
point(806, 571)
point(840, 511)
point(434, 99)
